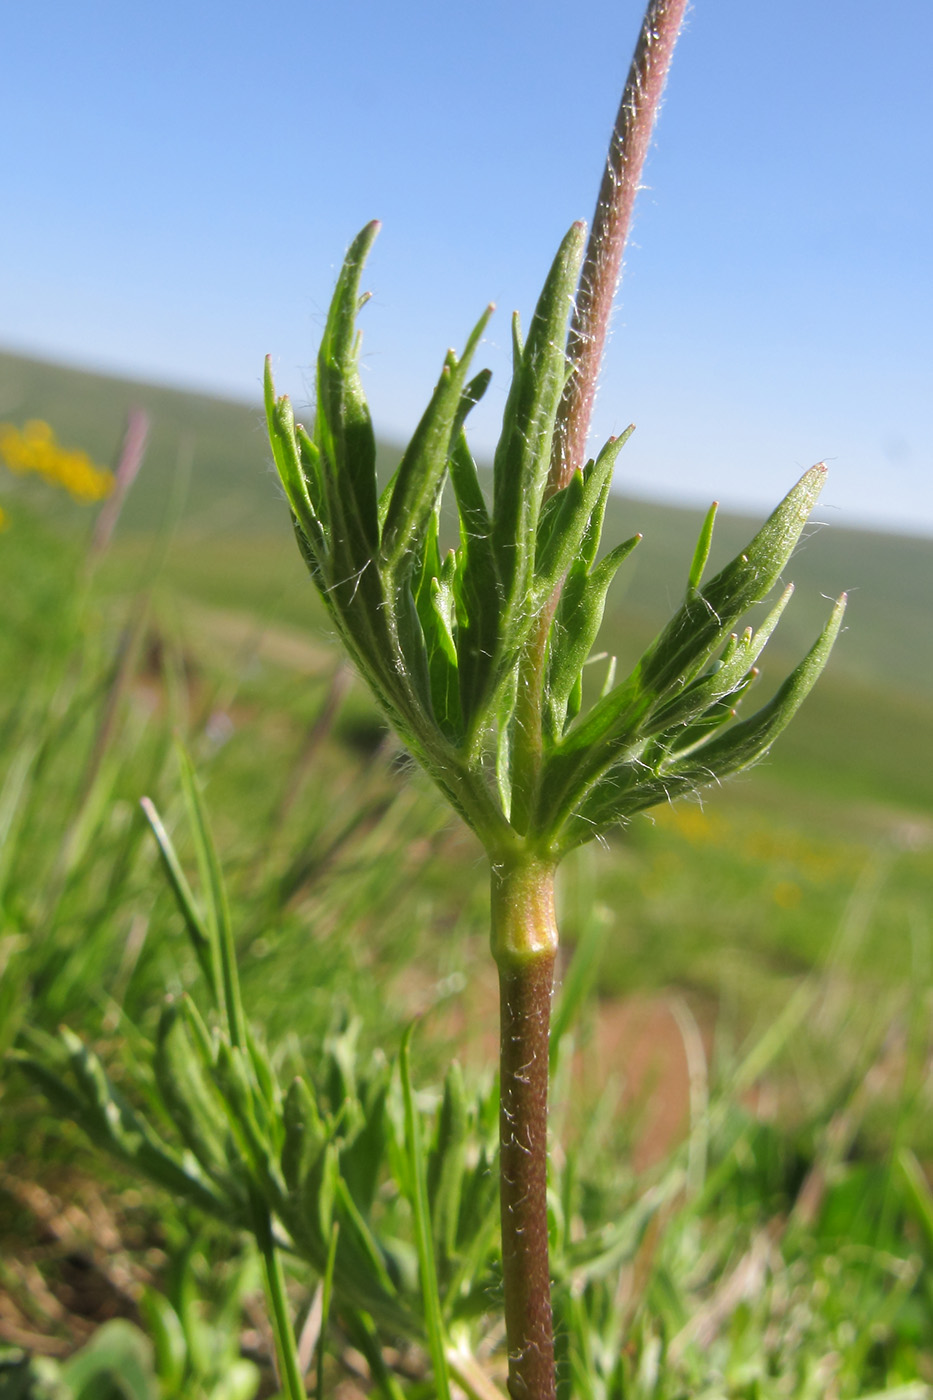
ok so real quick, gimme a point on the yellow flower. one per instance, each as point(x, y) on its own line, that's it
point(34, 449)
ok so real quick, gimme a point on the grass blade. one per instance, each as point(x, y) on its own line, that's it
point(228, 988)
point(327, 1294)
point(423, 1234)
point(198, 930)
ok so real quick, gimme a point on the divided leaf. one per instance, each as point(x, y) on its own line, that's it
point(413, 493)
point(659, 690)
point(343, 428)
point(634, 786)
point(573, 632)
point(441, 640)
point(522, 460)
point(567, 515)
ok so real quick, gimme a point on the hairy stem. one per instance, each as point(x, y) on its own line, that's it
point(612, 220)
point(524, 940)
point(586, 342)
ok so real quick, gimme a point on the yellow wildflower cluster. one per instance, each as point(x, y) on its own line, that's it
point(764, 843)
point(34, 449)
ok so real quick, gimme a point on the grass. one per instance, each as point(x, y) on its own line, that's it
point(787, 916)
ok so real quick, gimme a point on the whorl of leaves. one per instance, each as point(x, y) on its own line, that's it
point(440, 637)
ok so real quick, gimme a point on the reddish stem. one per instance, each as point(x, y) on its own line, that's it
point(612, 220)
point(525, 1018)
point(524, 932)
point(525, 945)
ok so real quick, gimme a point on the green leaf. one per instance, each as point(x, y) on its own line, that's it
point(445, 691)
point(343, 429)
point(102, 1113)
point(424, 1235)
point(478, 590)
point(443, 603)
point(559, 515)
point(116, 1364)
point(506, 708)
point(574, 630)
point(446, 1163)
point(614, 727)
point(633, 787)
point(701, 553)
point(435, 601)
point(589, 546)
point(565, 520)
point(305, 1135)
point(495, 607)
point(327, 1293)
point(414, 491)
point(256, 1145)
point(748, 741)
point(362, 1159)
point(361, 1263)
point(919, 1196)
point(225, 976)
point(708, 615)
point(312, 1222)
point(201, 936)
point(688, 737)
point(293, 474)
point(14, 798)
point(164, 1327)
point(192, 1100)
point(363, 1334)
point(602, 1252)
point(15, 967)
point(522, 459)
point(413, 644)
point(269, 1097)
point(240, 1381)
point(723, 678)
point(60, 1094)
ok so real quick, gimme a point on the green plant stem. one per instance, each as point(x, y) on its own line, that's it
point(524, 943)
point(612, 221)
point(285, 1345)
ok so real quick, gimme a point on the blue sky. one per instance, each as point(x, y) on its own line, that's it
point(180, 182)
